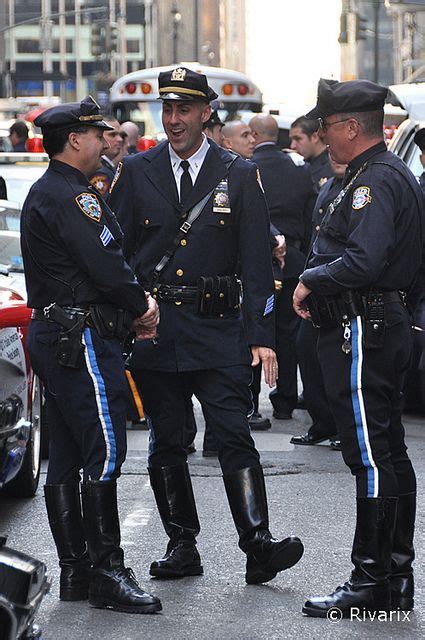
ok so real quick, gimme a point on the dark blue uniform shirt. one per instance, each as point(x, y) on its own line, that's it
point(321, 170)
point(146, 202)
point(71, 245)
point(374, 237)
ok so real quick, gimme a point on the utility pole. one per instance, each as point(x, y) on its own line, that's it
point(176, 17)
point(46, 45)
point(78, 63)
point(11, 89)
point(122, 23)
point(376, 7)
point(2, 49)
point(62, 48)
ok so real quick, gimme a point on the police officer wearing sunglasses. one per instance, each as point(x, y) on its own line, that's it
point(365, 257)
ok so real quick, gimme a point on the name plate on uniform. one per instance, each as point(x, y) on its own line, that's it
point(221, 200)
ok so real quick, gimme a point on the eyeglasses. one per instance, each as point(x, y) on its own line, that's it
point(324, 126)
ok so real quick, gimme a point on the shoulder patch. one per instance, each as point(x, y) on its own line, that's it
point(116, 176)
point(90, 206)
point(361, 197)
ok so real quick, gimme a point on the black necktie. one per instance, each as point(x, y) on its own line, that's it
point(185, 182)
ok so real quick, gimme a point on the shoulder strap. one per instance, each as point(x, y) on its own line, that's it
point(193, 215)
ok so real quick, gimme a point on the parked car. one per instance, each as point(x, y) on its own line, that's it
point(20, 171)
point(22, 419)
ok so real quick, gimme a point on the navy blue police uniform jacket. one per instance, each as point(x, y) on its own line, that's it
point(374, 237)
point(321, 170)
point(71, 246)
point(144, 197)
point(290, 197)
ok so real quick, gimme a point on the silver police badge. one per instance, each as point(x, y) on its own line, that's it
point(90, 206)
point(361, 197)
point(221, 201)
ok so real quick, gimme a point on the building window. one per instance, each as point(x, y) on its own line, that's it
point(56, 45)
point(28, 45)
point(133, 46)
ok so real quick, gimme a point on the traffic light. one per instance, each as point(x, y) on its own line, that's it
point(361, 27)
point(112, 35)
point(343, 35)
point(96, 39)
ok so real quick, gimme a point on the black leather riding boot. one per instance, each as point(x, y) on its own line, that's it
point(112, 585)
point(402, 584)
point(66, 524)
point(174, 497)
point(266, 556)
point(368, 589)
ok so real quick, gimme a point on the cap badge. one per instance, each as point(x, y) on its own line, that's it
point(178, 74)
point(90, 206)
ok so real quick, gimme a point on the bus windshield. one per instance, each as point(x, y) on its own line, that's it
point(134, 96)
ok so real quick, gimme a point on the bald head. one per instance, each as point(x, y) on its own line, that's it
point(132, 130)
point(238, 137)
point(264, 128)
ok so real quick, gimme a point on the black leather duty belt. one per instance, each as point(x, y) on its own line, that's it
point(172, 293)
point(331, 311)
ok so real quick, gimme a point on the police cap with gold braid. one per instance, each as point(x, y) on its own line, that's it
point(184, 84)
point(69, 114)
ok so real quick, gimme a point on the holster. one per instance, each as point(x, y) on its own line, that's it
point(109, 321)
point(217, 294)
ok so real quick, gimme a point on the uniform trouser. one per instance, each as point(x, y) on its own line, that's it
point(86, 407)
point(311, 373)
point(284, 397)
point(364, 388)
point(225, 397)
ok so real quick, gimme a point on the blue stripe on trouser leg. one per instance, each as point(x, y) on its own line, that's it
point(359, 408)
point(102, 406)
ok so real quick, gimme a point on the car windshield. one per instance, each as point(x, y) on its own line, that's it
point(19, 179)
point(10, 251)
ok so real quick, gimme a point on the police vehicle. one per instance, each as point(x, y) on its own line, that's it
point(134, 96)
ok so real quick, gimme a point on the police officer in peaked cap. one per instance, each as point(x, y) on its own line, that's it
point(85, 300)
point(203, 343)
point(364, 259)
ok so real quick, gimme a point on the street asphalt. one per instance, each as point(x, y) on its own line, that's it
point(310, 494)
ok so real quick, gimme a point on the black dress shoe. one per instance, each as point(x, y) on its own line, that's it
point(190, 448)
point(118, 589)
point(272, 556)
point(209, 453)
point(335, 445)
point(282, 415)
point(258, 423)
point(308, 439)
point(181, 559)
point(301, 403)
point(349, 596)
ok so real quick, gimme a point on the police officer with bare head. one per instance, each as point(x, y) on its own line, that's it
point(85, 300)
point(196, 223)
point(365, 257)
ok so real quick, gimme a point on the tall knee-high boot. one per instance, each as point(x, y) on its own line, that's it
point(66, 524)
point(369, 586)
point(174, 497)
point(112, 585)
point(266, 556)
point(402, 583)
